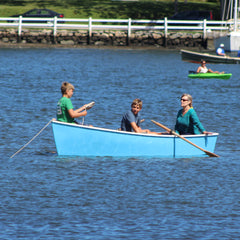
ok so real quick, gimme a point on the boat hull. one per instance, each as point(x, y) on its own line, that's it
point(78, 140)
point(195, 57)
point(210, 75)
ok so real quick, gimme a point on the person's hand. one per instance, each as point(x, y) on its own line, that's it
point(84, 113)
point(207, 133)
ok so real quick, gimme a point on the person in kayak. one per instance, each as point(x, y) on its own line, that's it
point(131, 119)
point(204, 69)
point(65, 112)
point(187, 120)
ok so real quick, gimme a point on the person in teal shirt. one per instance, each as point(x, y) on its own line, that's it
point(187, 120)
point(65, 112)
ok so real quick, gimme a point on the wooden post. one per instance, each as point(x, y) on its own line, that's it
point(55, 29)
point(19, 28)
point(165, 31)
point(89, 30)
point(205, 39)
point(129, 32)
point(204, 29)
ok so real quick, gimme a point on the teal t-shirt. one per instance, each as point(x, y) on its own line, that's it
point(189, 123)
point(64, 104)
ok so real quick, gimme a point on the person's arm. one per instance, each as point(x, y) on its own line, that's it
point(81, 108)
point(220, 53)
point(197, 123)
point(137, 129)
point(199, 69)
point(211, 71)
point(77, 113)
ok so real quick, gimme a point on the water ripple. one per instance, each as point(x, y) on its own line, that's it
point(47, 196)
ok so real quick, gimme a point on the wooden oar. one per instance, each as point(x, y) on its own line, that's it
point(183, 138)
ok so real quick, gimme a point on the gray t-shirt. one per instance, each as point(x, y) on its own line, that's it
point(127, 119)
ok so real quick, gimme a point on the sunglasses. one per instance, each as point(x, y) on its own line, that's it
point(184, 100)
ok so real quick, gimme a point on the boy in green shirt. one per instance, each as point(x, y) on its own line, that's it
point(65, 112)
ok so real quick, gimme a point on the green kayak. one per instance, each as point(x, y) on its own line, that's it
point(210, 75)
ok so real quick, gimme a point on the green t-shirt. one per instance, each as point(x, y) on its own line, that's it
point(64, 104)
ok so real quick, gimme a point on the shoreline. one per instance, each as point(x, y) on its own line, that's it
point(61, 46)
point(105, 40)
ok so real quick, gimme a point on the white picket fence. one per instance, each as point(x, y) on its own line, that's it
point(128, 25)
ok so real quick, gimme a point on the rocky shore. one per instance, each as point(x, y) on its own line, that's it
point(68, 38)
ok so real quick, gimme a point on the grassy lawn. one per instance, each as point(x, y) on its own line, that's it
point(105, 9)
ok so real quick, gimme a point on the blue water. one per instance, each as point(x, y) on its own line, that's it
point(44, 196)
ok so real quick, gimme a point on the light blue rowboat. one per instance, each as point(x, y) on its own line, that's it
point(79, 140)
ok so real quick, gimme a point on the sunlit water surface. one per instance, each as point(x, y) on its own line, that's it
point(44, 196)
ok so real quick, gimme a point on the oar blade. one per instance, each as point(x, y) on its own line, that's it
point(210, 154)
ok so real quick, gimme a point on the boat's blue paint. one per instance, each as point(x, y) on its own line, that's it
point(78, 140)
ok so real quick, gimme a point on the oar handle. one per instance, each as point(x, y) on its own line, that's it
point(162, 126)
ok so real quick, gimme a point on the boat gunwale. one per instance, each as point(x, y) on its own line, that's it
point(131, 133)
